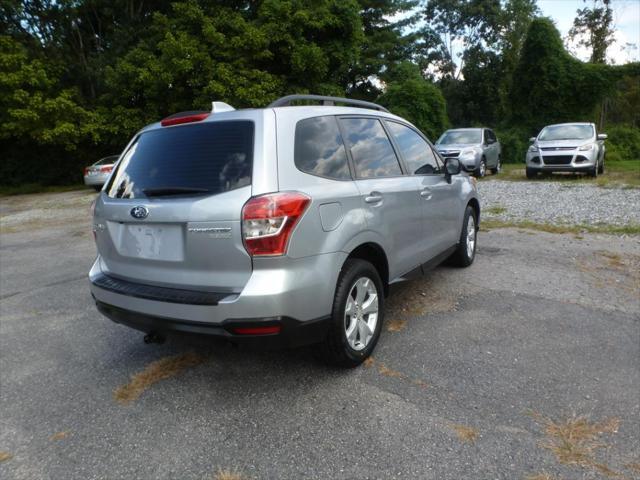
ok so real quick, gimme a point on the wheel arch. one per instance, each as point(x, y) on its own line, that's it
point(374, 254)
point(475, 204)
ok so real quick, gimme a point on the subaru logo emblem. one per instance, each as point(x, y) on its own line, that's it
point(139, 212)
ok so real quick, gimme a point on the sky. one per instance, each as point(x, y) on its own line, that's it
point(626, 17)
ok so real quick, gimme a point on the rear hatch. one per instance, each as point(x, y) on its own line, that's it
point(171, 212)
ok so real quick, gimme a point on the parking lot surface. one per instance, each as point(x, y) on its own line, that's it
point(525, 365)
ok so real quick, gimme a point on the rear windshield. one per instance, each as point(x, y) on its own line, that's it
point(460, 137)
point(199, 159)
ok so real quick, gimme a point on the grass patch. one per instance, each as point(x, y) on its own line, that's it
point(465, 434)
point(617, 174)
point(7, 190)
point(154, 372)
point(489, 224)
point(497, 210)
point(4, 456)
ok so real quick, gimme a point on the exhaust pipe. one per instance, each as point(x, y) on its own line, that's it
point(154, 337)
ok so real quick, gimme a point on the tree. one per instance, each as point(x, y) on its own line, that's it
point(418, 100)
point(551, 86)
point(593, 28)
point(384, 44)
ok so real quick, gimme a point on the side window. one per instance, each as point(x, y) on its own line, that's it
point(319, 149)
point(489, 137)
point(417, 153)
point(372, 153)
point(492, 136)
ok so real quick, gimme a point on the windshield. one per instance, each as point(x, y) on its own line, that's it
point(460, 137)
point(205, 158)
point(566, 132)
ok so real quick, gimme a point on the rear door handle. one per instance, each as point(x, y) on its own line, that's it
point(426, 193)
point(373, 197)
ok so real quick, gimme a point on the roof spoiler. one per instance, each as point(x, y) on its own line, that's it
point(286, 101)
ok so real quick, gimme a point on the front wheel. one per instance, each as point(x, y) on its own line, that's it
point(357, 315)
point(481, 171)
point(496, 170)
point(531, 173)
point(466, 250)
point(601, 167)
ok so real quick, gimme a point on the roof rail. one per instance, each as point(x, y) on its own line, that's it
point(286, 101)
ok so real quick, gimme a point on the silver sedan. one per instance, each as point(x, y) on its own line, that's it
point(97, 174)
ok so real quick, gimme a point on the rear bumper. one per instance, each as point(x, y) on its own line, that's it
point(96, 180)
point(282, 290)
point(292, 332)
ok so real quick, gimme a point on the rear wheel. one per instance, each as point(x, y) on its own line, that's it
point(356, 319)
point(496, 170)
point(531, 173)
point(466, 250)
point(97, 188)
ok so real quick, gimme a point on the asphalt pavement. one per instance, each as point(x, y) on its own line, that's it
point(506, 370)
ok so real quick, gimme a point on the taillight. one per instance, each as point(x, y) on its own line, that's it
point(268, 220)
point(86, 170)
point(106, 169)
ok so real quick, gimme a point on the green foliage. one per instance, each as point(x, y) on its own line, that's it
point(550, 86)
point(416, 99)
point(623, 143)
point(79, 77)
point(514, 142)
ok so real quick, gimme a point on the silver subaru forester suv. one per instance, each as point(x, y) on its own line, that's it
point(283, 226)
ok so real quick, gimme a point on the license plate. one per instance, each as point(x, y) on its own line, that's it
point(154, 242)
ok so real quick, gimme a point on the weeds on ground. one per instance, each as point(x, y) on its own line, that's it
point(4, 456)
point(154, 372)
point(465, 434)
point(228, 475)
point(59, 435)
point(576, 441)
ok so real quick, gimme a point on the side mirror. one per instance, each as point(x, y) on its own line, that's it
point(602, 136)
point(532, 139)
point(452, 167)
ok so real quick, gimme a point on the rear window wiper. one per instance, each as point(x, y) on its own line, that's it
point(162, 191)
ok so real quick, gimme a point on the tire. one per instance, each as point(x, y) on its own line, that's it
point(481, 171)
point(97, 188)
point(531, 173)
point(593, 172)
point(337, 349)
point(601, 167)
point(497, 168)
point(465, 253)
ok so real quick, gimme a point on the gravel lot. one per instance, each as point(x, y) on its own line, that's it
point(480, 373)
point(560, 203)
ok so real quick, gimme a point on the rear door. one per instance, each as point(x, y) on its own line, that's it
point(438, 197)
point(171, 213)
point(390, 199)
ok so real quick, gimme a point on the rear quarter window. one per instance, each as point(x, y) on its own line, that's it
point(211, 157)
point(319, 148)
